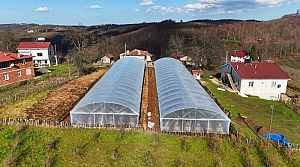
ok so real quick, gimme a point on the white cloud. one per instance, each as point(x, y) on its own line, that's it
point(136, 10)
point(147, 3)
point(95, 7)
point(197, 6)
point(44, 9)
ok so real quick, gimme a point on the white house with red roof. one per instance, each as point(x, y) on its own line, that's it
point(15, 67)
point(144, 55)
point(41, 51)
point(107, 59)
point(263, 79)
point(238, 56)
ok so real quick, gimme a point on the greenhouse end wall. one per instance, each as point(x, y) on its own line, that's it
point(115, 99)
point(184, 105)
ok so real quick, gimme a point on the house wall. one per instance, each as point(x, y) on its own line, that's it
point(269, 89)
point(263, 88)
point(105, 60)
point(44, 60)
point(142, 57)
point(237, 59)
point(26, 70)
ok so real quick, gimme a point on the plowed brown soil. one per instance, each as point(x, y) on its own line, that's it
point(149, 109)
point(59, 102)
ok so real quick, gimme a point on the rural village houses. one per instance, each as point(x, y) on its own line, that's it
point(42, 52)
point(15, 67)
point(144, 55)
point(264, 79)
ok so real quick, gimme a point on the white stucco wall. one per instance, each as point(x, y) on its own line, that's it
point(269, 89)
point(237, 59)
point(47, 55)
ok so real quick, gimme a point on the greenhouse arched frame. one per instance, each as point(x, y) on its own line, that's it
point(115, 98)
point(184, 105)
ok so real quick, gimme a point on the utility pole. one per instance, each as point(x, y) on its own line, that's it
point(226, 57)
point(271, 119)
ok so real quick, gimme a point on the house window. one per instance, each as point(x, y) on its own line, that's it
point(251, 84)
point(4, 65)
point(28, 71)
point(5, 77)
point(273, 84)
point(39, 54)
point(19, 74)
point(23, 61)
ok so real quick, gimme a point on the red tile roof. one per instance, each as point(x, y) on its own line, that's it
point(34, 45)
point(11, 56)
point(137, 52)
point(109, 56)
point(197, 71)
point(239, 54)
point(259, 70)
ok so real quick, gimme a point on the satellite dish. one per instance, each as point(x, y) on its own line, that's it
point(12, 64)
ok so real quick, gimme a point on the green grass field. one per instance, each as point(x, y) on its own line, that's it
point(42, 146)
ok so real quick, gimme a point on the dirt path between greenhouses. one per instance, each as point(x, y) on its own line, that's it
point(149, 117)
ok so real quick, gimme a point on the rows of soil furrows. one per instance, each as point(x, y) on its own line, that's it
point(149, 108)
point(57, 105)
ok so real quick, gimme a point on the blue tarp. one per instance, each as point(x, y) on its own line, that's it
point(279, 138)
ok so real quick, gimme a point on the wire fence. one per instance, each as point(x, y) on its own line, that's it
point(41, 86)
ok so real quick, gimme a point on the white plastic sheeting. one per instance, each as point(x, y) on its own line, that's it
point(115, 98)
point(183, 103)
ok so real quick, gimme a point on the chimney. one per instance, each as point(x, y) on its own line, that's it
point(237, 67)
point(255, 65)
point(19, 55)
point(5, 54)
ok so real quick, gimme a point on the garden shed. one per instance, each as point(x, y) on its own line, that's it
point(184, 105)
point(115, 98)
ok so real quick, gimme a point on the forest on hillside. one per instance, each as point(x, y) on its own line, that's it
point(203, 40)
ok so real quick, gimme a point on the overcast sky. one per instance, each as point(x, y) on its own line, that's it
point(95, 12)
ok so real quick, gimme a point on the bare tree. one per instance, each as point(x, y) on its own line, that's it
point(78, 37)
point(176, 45)
point(8, 40)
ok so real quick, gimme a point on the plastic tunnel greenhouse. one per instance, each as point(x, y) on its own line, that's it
point(115, 98)
point(183, 103)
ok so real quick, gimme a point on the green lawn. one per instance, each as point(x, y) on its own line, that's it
point(285, 121)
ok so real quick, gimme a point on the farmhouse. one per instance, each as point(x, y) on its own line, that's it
point(238, 56)
point(144, 55)
point(107, 59)
point(41, 51)
point(15, 67)
point(263, 79)
point(197, 74)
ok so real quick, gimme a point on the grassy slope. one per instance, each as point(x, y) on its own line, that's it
point(29, 146)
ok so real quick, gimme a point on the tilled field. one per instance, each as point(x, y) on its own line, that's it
point(58, 104)
point(149, 109)
point(60, 101)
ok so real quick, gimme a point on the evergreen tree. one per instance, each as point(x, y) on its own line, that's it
point(253, 52)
